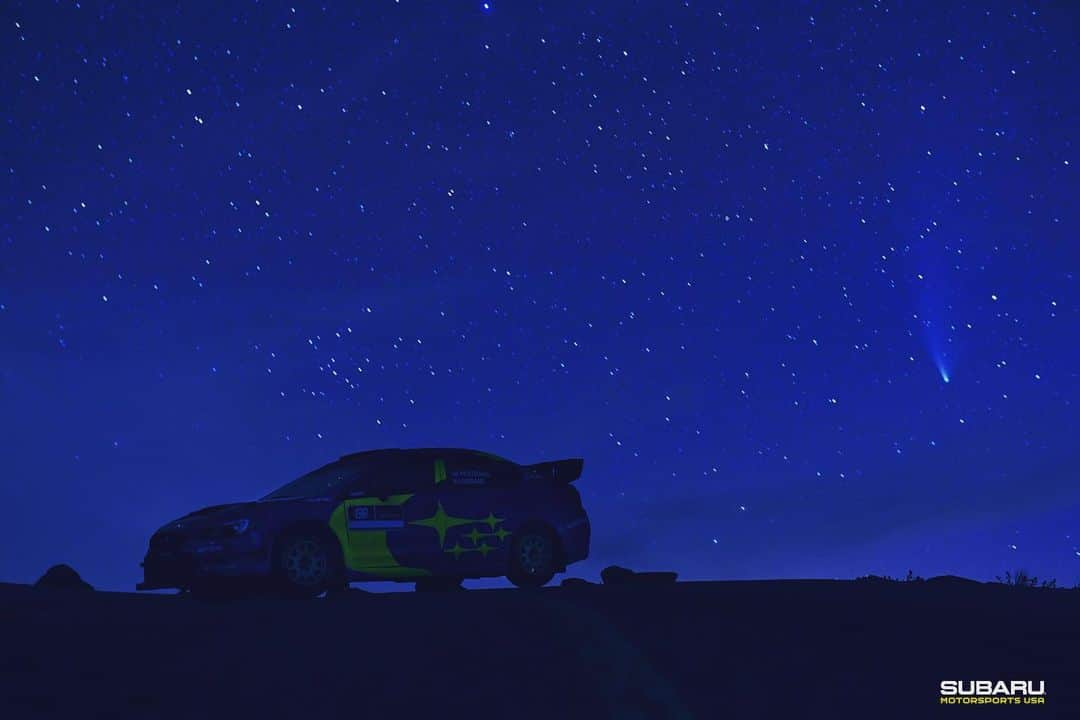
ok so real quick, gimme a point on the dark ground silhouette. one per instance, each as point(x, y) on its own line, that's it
point(785, 648)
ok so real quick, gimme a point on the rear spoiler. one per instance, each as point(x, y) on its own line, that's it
point(559, 472)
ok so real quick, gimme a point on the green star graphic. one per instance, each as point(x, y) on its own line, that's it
point(440, 522)
point(492, 521)
point(457, 550)
point(484, 549)
point(475, 536)
point(501, 533)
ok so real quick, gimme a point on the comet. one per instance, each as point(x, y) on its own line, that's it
point(942, 370)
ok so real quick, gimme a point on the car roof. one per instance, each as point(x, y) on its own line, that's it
point(425, 452)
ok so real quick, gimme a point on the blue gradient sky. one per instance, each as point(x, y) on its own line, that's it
point(724, 252)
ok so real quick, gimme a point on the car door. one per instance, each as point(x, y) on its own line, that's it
point(471, 510)
point(377, 512)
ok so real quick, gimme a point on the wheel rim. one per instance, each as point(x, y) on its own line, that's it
point(534, 554)
point(305, 563)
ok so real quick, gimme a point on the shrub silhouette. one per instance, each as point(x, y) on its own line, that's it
point(910, 577)
point(1021, 578)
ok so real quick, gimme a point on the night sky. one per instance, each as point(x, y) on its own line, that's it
point(798, 281)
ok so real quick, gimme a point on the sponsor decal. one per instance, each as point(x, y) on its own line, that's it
point(470, 477)
point(363, 517)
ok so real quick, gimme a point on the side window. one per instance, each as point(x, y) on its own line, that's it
point(394, 475)
point(361, 482)
point(404, 474)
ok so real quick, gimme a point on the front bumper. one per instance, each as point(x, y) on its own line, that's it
point(167, 571)
point(179, 563)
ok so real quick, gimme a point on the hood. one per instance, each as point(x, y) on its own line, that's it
point(210, 516)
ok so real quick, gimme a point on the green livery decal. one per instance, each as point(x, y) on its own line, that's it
point(440, 522)
point(368, 551)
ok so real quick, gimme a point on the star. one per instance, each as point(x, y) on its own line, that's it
point(440, 522)
point(492, 521)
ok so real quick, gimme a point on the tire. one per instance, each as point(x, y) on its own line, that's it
point(534, 555)
point(307, 565)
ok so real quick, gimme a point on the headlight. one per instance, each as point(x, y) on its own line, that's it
point(237, 527)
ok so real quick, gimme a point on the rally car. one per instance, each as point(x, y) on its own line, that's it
point(427, 515)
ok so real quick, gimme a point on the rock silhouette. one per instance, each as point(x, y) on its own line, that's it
point(62, 577)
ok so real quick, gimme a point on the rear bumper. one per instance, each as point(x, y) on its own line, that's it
point(575, 537)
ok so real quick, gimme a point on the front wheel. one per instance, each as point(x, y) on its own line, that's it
point(532, 558)
point(307, 566)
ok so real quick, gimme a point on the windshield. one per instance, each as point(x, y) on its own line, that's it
point(328, 480)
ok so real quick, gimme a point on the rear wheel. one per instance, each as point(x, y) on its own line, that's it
point(307, 565)
point(533, 557)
